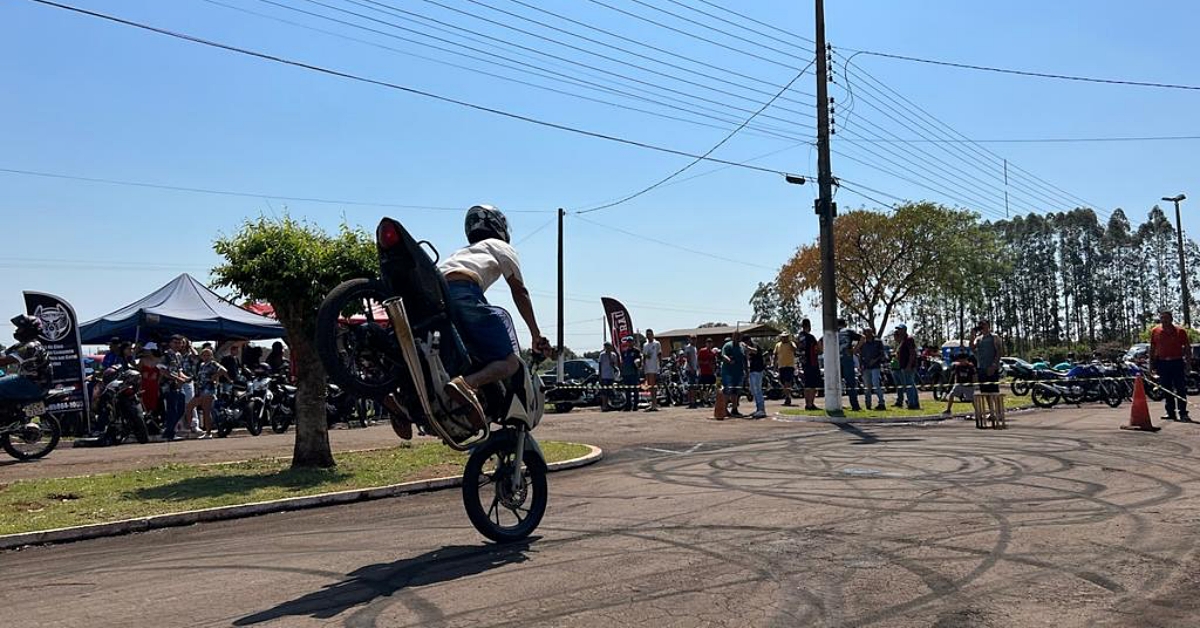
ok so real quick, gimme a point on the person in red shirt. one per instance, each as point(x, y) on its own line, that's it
point(706, 361)
point(1169, 353)
point(148, 365)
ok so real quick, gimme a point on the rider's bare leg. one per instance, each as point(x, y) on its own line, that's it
point(494, 372)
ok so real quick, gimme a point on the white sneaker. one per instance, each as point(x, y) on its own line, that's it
point(204, 436)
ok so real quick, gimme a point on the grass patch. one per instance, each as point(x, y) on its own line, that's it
point(928, 408)
point(31, 505)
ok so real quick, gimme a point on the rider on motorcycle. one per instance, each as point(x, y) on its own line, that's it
point(33, 362)
point(487, 331)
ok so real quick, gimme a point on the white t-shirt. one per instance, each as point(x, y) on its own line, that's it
point(485, 262)
point(651, 351)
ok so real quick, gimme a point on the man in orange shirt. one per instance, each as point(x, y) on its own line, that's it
point(1169, 361)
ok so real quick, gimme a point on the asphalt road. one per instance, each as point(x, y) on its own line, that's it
point(1061, 520)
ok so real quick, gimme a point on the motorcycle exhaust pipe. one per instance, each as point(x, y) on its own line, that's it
point(408, 349)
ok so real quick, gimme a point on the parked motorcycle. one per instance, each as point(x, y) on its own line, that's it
point(281, 408)
point(28, 428)
point(1083, 383)
point(233, 407)
point(120, 406)
point(406, 362)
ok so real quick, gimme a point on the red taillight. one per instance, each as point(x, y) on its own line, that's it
point(388, 234)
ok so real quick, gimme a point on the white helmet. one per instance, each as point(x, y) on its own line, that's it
point(485, 221)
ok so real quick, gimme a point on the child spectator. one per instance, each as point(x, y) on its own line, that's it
point(962, 374)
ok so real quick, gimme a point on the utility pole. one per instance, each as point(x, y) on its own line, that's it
point(825, 210)
point(1006, 189)
point(1183, 284)
point(561, 323)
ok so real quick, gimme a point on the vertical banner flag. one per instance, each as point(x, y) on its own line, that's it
point(60, 336)
point(619, 322)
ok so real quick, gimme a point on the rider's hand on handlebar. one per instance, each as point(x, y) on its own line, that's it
point(541, 344)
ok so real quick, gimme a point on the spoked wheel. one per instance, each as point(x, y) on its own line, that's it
point(1044, 396)
point(35, 439)
point(355, 341)
point(1020, 387)
point(500, 513)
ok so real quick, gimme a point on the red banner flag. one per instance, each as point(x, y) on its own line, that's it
point(619, 322)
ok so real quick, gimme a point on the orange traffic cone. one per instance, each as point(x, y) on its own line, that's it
point(720, 411)
point(1139, 413)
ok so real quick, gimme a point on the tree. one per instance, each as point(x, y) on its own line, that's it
point(885, 260)
point(773, 308)
point(293, 265)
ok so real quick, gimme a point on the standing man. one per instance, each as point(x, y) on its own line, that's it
point(847, 342)
point(785, 361)
point(871, 355)
point(651, 359)
point(757, 363)
point(906, 355)
point(610, 365)
point(988, 348)
point(1169, 349)
point(809, 350)
point(690, 368)
point(707, 364)
point(630, 370)
point(733, 370)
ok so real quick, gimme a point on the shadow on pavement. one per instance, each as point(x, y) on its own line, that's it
point(369, 583)
point(219, 485)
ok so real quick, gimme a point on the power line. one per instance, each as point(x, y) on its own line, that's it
point(258, 195)
point(491, 59)
point(1035, 182)
point(690, 34)
point(706, 153)
point(395, 11)
point(1047, 75)
point(671, 244)
point(1029, 140)
point(395, 86)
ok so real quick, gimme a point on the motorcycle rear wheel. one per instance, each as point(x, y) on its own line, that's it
point(345, 349)
point(1112, 394)
point(279, 422)
point(28, 446)
point(1020, 387)
point(490, 467)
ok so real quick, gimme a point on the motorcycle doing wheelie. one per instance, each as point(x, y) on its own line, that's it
point(394, 339)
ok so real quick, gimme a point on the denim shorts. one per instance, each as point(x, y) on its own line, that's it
point(486, 330)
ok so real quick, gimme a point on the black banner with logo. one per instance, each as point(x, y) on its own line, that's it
point(60, 336)
point(619, 322)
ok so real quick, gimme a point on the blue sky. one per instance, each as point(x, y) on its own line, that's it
point(93, 99)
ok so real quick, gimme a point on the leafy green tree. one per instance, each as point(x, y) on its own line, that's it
point(885, 261)
point(293, 265)
point(774, 308)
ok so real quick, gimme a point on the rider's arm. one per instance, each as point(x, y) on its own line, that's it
point(520, 295)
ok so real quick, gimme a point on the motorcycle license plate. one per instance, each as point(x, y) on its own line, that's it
point(35, 409)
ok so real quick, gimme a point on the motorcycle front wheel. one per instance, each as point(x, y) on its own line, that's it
point(253, 415)
point(1044, 396)
point(1020, 387)
point(29, 443)
point(279, 422)
point(137, 425)
point(494, 508)
point(1112, 394)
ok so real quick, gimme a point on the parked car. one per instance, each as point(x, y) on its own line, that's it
point(1138, 352)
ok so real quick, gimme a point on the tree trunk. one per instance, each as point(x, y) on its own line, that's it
point(312, 434)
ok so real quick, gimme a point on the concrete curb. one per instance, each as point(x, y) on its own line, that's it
point(933, 418)
point(221, 513)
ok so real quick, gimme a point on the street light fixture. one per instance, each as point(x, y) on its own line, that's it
point(1183, 282)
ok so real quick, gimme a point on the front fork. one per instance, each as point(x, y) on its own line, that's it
point(518, 460)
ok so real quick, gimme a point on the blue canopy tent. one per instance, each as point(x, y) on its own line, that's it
point(184, 306)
